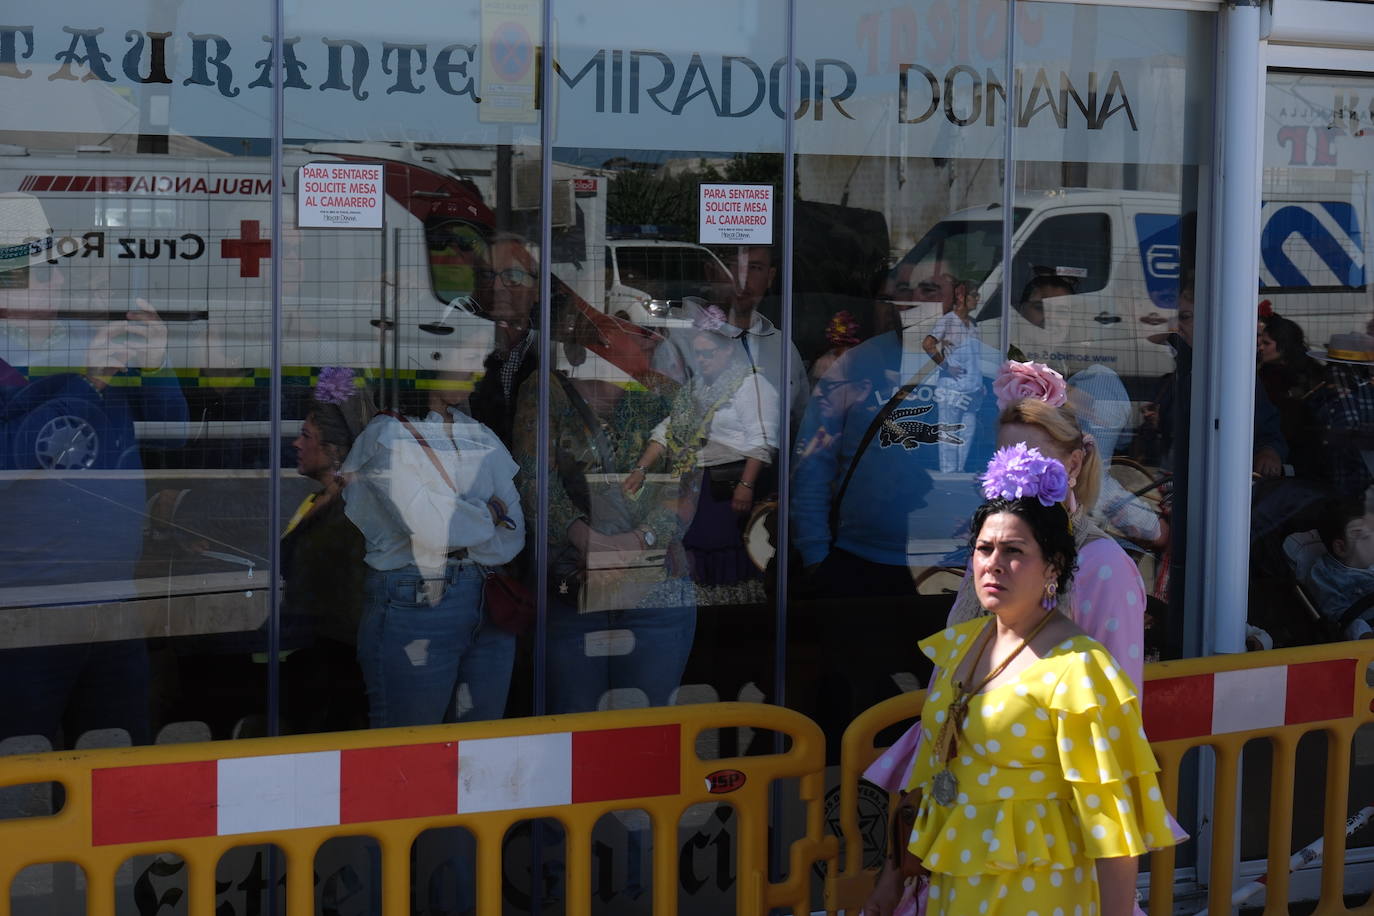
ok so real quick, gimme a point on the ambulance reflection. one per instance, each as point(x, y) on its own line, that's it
point(71, 390)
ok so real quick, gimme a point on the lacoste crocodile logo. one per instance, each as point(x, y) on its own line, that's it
point(900, 429)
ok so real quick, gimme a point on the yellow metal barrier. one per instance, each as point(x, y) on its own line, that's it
point(1220, 702)
point(198, 801)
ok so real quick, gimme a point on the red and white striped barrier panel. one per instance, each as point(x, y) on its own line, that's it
point(239, 795)
point(1222, 702)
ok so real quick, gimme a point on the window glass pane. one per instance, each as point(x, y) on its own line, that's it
point(666, 386)
point(1311, 575)
point(134, 577)
point(1098, 132)
point(134, 326)
point(898, 238)
point(1104, 282)
point(410, 288)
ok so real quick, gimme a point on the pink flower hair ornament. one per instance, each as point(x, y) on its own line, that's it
point(711, 318)
point(1019, 380)
point(1021, 472)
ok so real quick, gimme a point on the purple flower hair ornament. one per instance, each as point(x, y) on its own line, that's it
point(1018, 472)
point(335, 385)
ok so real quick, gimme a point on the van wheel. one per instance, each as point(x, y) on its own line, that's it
point(624, 316)
point(58, 436)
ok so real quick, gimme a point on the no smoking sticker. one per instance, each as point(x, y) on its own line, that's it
point(510, 54)
point(511, 51)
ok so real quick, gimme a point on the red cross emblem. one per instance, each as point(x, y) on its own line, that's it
point(249, 249)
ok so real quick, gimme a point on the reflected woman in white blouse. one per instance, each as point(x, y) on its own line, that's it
point(723, 430)
point(433, 492)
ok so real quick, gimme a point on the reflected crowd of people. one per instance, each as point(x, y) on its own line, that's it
point(664, 438)
point(1313, 520)
point(663, 441)
point(410, 519)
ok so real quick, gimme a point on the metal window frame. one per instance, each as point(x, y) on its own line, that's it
point(274, 485)
point(1358, 61)
point(1324, 25)
point(1222, 546)
point(1201, 6)
point(1220, 364)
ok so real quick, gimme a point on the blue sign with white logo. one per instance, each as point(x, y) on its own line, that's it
point(1161, 256)
point(1310, 245)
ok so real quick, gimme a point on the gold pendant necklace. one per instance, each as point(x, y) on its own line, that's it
point(944, 787)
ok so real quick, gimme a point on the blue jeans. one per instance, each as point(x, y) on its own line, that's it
point(415, 657)
point(644, 649)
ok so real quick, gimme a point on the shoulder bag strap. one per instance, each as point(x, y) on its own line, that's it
point(877, 424)
point(424, 444)
point(1356, 611)
point(600, 443)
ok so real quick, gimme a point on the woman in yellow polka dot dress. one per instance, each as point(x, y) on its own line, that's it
point(1039, 788)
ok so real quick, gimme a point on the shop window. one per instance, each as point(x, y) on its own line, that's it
point(1311, 578)
point(134, 581)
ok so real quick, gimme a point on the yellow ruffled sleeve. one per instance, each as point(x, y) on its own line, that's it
point(946, 646)
point(1106, 760)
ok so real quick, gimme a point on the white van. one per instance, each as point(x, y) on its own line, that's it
point(1124, 253)
point(647, 279)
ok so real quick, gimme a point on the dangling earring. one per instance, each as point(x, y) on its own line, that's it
point(1051, 599)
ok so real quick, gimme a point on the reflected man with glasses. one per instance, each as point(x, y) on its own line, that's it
point(869, 513)
point(508, 293)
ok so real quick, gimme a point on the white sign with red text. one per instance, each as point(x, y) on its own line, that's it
point(736, 214)
point(340, 195)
